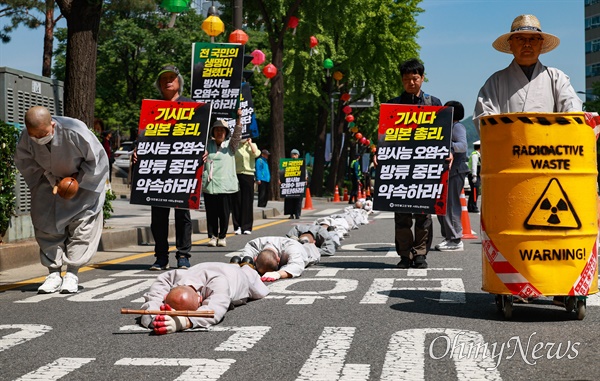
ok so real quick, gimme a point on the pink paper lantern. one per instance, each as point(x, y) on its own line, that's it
point(259, 58)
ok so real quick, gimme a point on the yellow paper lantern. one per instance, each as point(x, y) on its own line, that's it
point(338, 75)
point(213, 26)
point(354, 129)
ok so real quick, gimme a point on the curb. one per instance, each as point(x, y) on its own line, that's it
point(27, 252)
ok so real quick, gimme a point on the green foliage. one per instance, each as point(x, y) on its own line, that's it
point(8, 144)
point(28, 13)
point(107, 209)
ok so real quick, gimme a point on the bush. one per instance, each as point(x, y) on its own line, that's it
point(107, 209)
point(9, 135)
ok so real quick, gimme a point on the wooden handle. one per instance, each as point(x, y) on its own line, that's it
point(202, 313)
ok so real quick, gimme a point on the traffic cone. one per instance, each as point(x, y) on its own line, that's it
point(308, 201)
point(336, 194)
point(464, 218)
point(347, 198)
point(368, 192)
point(360, 194)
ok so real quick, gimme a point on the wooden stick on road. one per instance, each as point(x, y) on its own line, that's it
point(202, 313)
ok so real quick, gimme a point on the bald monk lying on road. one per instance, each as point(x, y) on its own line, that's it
point(206, 286)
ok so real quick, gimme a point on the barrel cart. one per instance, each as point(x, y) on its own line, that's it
point(539, 216)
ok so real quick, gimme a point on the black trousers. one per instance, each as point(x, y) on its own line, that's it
point(405, 241)
point(263, 194)
point(218, 209)
point(160, 231)
point(472, 202)
point(242, 208)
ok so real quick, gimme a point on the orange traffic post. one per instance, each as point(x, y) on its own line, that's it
point(346, 197)
point(360, 194)
point(336, 194)
point(464, 218)
point(308, 202)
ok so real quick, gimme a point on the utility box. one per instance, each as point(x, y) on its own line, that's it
point(21, 91)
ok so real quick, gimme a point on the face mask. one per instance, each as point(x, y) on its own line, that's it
point(45, 140)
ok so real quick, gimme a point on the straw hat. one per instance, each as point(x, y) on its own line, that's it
point(526, 24)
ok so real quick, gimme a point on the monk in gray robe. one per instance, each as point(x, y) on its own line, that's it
point(67, 230)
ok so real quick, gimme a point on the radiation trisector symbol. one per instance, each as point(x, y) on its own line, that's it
point(553, 210)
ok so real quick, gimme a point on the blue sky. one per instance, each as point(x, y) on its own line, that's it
point(456, 43)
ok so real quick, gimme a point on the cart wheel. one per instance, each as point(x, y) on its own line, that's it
point(507, 307)
point(570, 303)
point(498, 299)
point(580, 309)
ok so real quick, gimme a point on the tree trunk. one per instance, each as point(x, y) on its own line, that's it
point(83, 23)
point(48, 39)
point(316, 184)
point(277, 130)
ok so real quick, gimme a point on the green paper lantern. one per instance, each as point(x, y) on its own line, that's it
point(175, 6)
point(328, 63)
point(351, 124)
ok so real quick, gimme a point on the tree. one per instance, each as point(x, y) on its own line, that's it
point(367, 40)
point(83, 22)
point(32, 14)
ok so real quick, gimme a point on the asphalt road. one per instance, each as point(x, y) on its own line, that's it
point(354, 316)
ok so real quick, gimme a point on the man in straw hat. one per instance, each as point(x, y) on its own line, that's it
point(526, 85)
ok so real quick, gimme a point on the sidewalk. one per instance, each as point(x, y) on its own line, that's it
point(128, 226)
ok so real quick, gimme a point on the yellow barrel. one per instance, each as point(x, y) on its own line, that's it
point(539, 212)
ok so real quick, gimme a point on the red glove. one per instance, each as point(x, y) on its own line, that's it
point(164, 324)
point(589, 119)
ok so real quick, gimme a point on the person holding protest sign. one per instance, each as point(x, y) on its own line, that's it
point(169, 83)
point(219, 180)
point(451, 223)
point(413, 249)
point(243, 200)
point(292, 205)
point(67, 228)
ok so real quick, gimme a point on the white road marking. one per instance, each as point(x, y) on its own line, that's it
point(326, 362)
point(56, 369)
point(26, 332)
point(452, 290)
point(125, 288)
point(198, 369)
point(327, 212)
point(242, 339)
point(405, 357)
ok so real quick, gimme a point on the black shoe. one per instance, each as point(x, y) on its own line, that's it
point(420, 262)
point(404, 263)
point(291, 217)
point(247, 260)
point(236, 259)
point(162, 263)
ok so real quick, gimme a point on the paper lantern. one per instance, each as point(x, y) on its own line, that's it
point(351, 124)
point(213, 26)
point(347, 109)
point(313, 45)
point(259, 58)
point(373, 148)
point(338, 75)
point(175, 6)
point(269, 71)
point(363, 140)
point(358, 136)
point(367, 142)
point(238, 36)
point(328, 64)
point(293, 23)
point(345, 97)
point(354, 129)
point(349, 118)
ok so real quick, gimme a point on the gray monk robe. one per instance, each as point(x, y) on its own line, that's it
point(221, 285)
point(509, 90)
point(73, 149)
